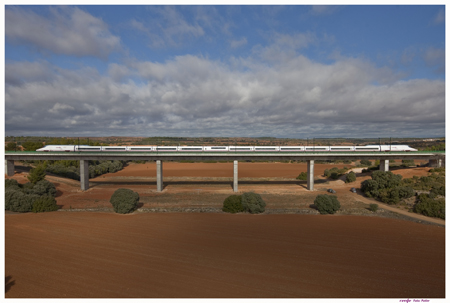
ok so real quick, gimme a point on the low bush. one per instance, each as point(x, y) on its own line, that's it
point(327, 204)
point(22, 198)
point(407, 163)
point(405, 192)
point(44, 187)
point(124, 201)
point(11, 183)
point(437, 191)
point(365, 163)
point(335, 172)
point(233, 204)
point(334, 175)
point(18, 201)
point(302, 176)
point(430, 207)
point(253, 203)
point(44, 203)
point(36, 174)
point(350, 177)
point(373, 207)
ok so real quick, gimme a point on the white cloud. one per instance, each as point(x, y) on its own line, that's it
point(66, 30)
point(168, 27)
point(324, 9)
point(195, 96)
point(238, 43)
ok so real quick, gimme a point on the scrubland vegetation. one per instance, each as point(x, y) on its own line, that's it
point(392, 189)
point(327, 204)
point(38, 195)
point(124, 201)
point(247, 202)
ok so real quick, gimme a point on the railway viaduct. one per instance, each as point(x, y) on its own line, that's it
point(435, 159)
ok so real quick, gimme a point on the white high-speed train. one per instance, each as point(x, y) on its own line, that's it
point(87, 148)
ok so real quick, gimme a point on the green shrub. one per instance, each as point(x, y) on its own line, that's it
point(405, 192)
point(370, 188)
point(335, 172)
point(253, 203)
point(334, 175)
point(327, 204)
point(233, 204)
point(44, 203)
point(302, 176)
point(11, 183)
point(124, 201)
point(386, 179)
point(373, 207)
point(41, 188)
point(437, 191)
point(350, 177)
point(407, 163)
point(36, 174)
point(16, 200)
point(365, 162)
point(389, 195)
point(429, 207)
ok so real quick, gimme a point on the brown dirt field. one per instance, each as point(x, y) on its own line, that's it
point(80, 254)
point(204, 186)
point(204, 255)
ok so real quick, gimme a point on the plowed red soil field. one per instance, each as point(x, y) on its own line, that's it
point(82, 254)
point(180, 255)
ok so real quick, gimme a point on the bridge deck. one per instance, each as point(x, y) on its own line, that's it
point(242, 156)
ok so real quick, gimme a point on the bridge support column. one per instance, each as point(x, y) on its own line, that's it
point(159, 176)
point(384, 165)
point(235, 176)
point(310, 175)
point(432, 163)
point(84, 174)
point(9, 167)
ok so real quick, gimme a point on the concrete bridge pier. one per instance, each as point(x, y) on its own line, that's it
point(384, 165)
point(310, 175)
point(84, 174)
point(159, 176)
point(9, 168)
point(235, 176)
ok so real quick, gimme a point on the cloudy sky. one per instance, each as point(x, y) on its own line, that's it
point(282, 71)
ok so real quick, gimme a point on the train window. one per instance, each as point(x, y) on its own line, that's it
point(338, 148)
point(218, 147)
point(141, 148)
point(191, 148)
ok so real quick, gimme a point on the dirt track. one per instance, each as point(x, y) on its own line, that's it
point(179, 255)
